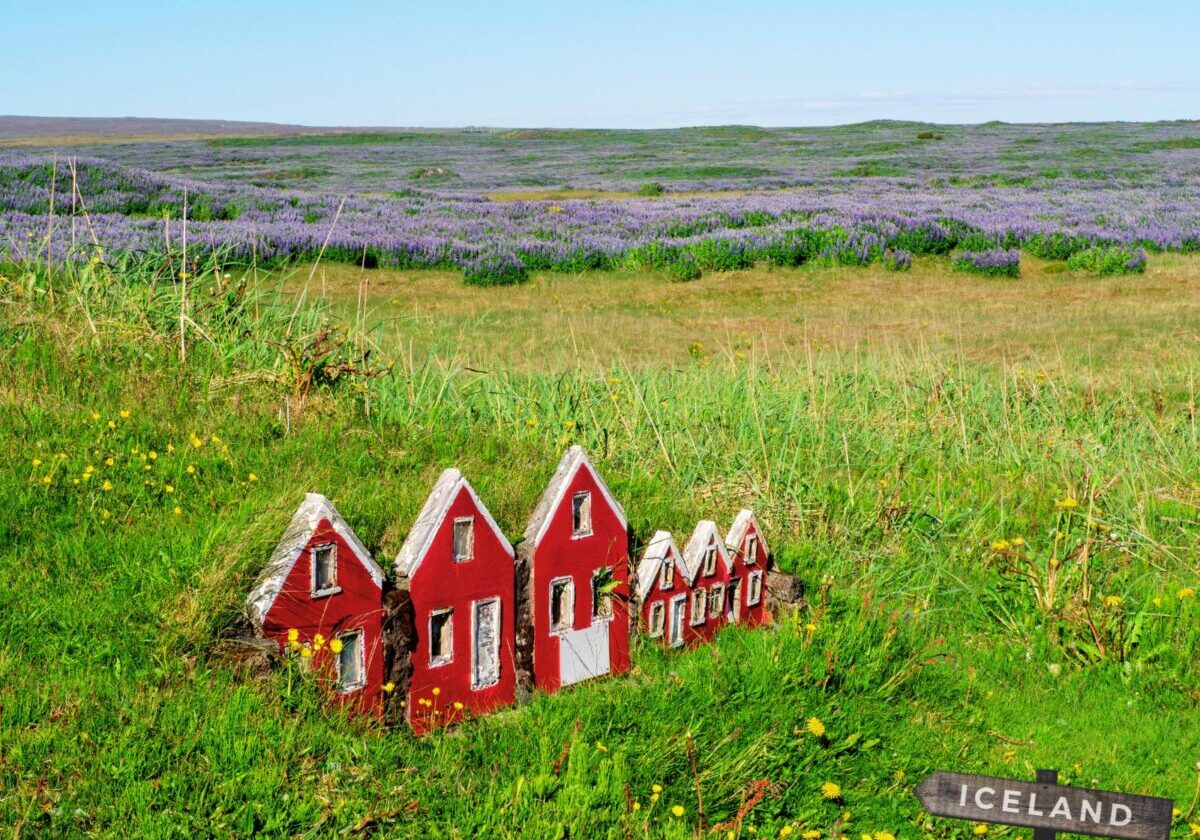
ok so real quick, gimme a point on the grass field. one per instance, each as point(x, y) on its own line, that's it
point(990, 489)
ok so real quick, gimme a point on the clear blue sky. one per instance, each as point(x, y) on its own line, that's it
point(602, 63)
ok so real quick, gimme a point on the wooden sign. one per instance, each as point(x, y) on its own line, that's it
point(1046, 805)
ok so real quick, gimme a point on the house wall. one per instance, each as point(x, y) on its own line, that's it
point(706, 632)
point(657, 595)
point(438, 583)
point(756, 615)
point(359, 604)
point(558, 554)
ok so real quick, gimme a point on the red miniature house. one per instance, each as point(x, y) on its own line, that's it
point(574, 587)
point(708, 564)
point(321, 596)
point(458, 569)
point(664, 588)
point(749, 562)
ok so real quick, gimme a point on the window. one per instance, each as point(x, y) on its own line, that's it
point(654, 624)
point(485, 647)
point(666, 574)
point(602, 595)
point(324, 569)
point(464, 538)
point(698, 604)
point(581, 514)
point(751, 549)
point(351, 670)
point(441, 637)
point(710, 561)
point(754, 589)
point(678, 608)
point(562, 604)
point(716, 600)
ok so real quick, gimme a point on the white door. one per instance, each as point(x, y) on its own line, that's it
point(734, 611)
point(583, 654)
point(678, 617)
point(485, 644)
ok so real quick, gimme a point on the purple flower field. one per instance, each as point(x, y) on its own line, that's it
point(849, 219)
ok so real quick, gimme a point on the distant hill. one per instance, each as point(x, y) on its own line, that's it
point(17, 130)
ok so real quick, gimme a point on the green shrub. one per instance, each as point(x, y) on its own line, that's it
point(495, 269)
point(651, 189)
point(684, 269)
point(1106, 260)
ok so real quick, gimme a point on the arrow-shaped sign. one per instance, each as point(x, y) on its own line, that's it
point(1046, 806)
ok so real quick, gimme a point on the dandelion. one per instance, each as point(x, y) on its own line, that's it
point(786, 831)
point(884, 835)
point(37, 462)
point(636, 806)
point(252, 478)
point(293, 634)
point(318, 640)
point(810, 627)
point(831, 791)
point(656, 788)
point(196, 442)
point(191, 469)
point(1001, 545)
point(106, 486)
point(104, 514)
point(112, 424)
point(1018, 541)
point(677, 810)
point(305, 652)
point(168, 488)
point(1113, 600)
point(1186, 592)
point(109, 461)
point(601, 748)
point(815, 727)
point(170, 448)
point(153, 455)
point(436, 691)
point(531, 422)
point(177, 510)
point(336, 646)
point(654, 797)
point(46, 479)
point(811, 834)
point(980, 829)
point(389, 687)
point(1195, 827)
point(1069, 503)
point(125, 414)
point(458, 706)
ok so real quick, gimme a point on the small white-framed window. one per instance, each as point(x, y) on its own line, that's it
point(351, 662)
point(654, 622)
point(485, 643)
point(710, 561)
point(441, 637)
point(602, 595)
point(699, 604)
point(751, 550)
point(562, 604)
point(464, 538)
point(754, 589)
point(666, 574)
point(581, 514)
point(324, 569)
point(716, 600)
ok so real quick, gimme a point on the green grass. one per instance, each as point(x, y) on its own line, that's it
point(894, 476)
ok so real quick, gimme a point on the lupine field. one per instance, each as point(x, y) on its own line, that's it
point(952, 368)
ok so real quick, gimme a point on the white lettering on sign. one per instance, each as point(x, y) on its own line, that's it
point(1112, 816)
point(1033, 811)
point(1062, 808)
point(979, 798)
point(1009, 806)
point(1086, 808)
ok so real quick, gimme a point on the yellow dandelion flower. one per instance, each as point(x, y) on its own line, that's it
point(1113, 600)
point(884, 835)
point(168, 488)
point(196, 442)
point(106, 486)
point(252, 477)
point(531, 422)
point(214, 439)
point(112, 424)
point(104, 514)
point(37, 462)
point(177, 510)
point(170, 448)
point(46, 479)
point(109, 461)
point(458, 706)
point(677, 810)
point(1018, 541)
point(811, 834)
point(293, 634)
point(336, 646)
point(436, 691)
point(786, 831)
point(1195, 827)
point(980, 829)
point(815, 727)
point(810, 627)
point(89, 469)
point(654, 797)
point(318, 640)
point(866, 837)
point(1186, 592)
point(95, 415)
point(153, 455)
point(191, 469)
point(636, 806)
point(831, 791)
point(389, 687)
point(305, 652)
point(1001, 545)
point(125, 414)
point(656, 788)
point(1069, 503)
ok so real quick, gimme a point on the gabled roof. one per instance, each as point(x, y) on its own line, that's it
point(445, 491)
point(737, 533)
point(661, 546)
point(296, 536)
point(693, 553)
point(572, 461)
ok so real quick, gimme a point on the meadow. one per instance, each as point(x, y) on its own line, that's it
point(989, 487)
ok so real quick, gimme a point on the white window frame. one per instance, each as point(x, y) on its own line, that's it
point(597, 598)
point(568, 624)
point(754, 589)
point(699, 616)
point(666, 574)
point(469, 521)
point(312, 553)
point(710, 560)
point(716, 594)
point(475, 605)
point(751, 554)
point(656, 620)
point(360, 643)
point(437, 661)
point(581, 512)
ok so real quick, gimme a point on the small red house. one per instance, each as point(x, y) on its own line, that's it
point(321, 597)
point(749, 561)
point(574, 588)
point(458, 568)
point(664, 586)
point(708, 564)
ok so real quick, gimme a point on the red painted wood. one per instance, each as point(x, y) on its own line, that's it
point(751, 616)
point(559, 554)
point(707, 631)
point(439, 582)
point(357, 606)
